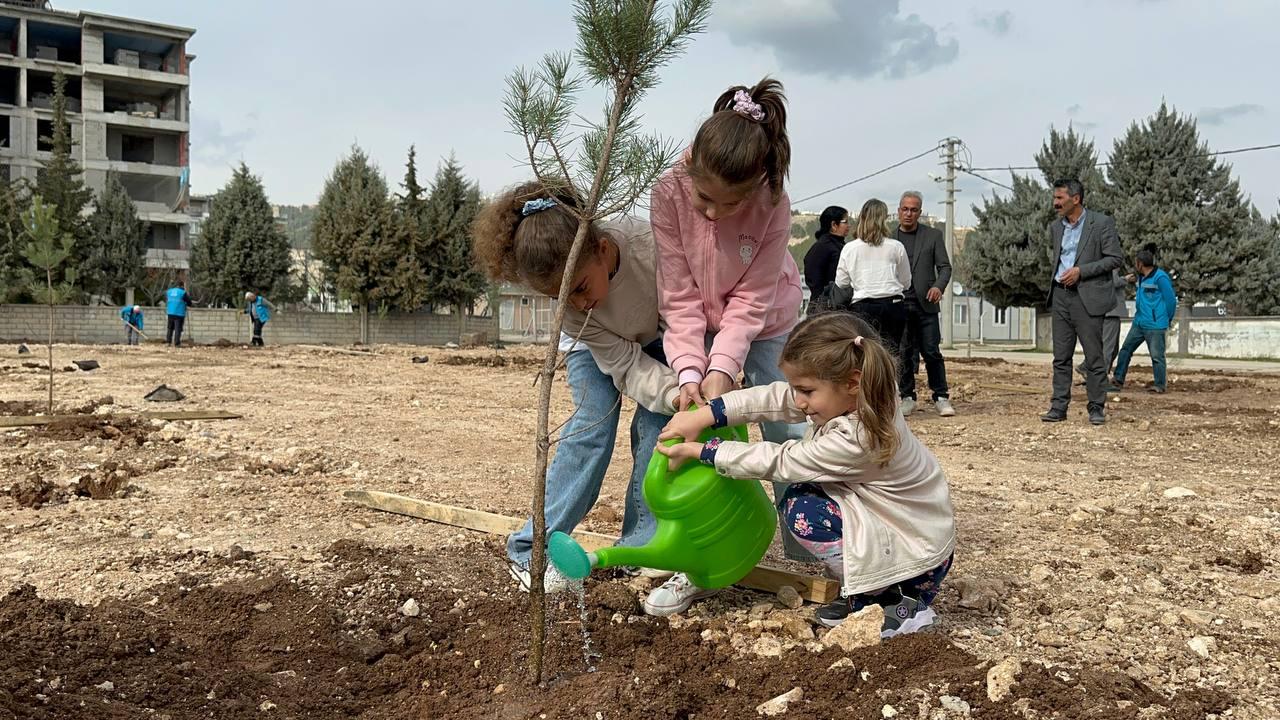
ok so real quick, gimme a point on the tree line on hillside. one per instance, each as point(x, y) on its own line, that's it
point(1163, 188)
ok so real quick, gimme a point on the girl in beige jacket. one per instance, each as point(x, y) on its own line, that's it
point(867, 497)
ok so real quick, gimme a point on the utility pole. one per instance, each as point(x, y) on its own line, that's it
point(948, 297)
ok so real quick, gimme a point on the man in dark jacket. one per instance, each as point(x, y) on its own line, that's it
point(1086, 249)
point(821, 260)
point(930, 274)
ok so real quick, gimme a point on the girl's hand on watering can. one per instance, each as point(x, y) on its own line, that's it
point(691, 394)
point(688, 425)
point(681, 452)
point(716, 384)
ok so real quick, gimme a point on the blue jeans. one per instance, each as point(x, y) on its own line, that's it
point(761, 368)
point(1155, 345)
point(582, 458)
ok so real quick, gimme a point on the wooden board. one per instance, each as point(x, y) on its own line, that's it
point(763, 577)
point(33, 420)
point(344, 351)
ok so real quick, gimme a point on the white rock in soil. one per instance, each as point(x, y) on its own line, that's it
point(887, 711)
point(107, 686)
point(1001, 678)
point(1203, 645)
point(1040, 573)
point(843, 662)
point(1177, 491)
point(951, 703)
point(767, 646)
point(861, 629)
point(410, 608)
point(789, 598)
point(1114, 623)
point(779, 705)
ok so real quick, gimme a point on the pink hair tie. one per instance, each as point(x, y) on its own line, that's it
point(744, 105)
point(858, 341)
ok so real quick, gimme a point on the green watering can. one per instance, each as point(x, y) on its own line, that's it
point(712, 528)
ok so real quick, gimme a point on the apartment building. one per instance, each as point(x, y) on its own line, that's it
point(128, 102)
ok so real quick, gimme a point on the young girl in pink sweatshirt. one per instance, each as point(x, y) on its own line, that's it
point(728, 289)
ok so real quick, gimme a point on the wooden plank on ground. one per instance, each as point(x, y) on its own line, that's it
point(13, 421)
point(763, 577)
point(1012, 388)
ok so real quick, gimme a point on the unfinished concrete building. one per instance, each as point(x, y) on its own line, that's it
point(128, 102)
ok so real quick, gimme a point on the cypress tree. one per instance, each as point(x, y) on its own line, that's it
point(14, 200)
point(241, 247)
point(119, 239)
point(410, 282)
point(455, 279)
point(1006, 259)
point(354, 231)
point(61, 186)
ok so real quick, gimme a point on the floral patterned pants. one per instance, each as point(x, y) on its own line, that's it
point(813, 518)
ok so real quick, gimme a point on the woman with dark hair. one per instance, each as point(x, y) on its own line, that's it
point(820, 262)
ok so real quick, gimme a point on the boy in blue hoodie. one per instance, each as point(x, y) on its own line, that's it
point(1156, 305)
point(259, 312)
point(132, 317)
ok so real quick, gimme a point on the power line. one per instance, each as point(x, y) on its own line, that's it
point(967, 171)
point(869, 176)
point(1188, 157)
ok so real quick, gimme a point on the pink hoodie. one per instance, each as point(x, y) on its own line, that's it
point(733, 277)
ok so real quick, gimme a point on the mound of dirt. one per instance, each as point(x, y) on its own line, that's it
point(495, 360)
point(265, 643)
point(1249, 563)
point(33, 492)
point(22, 407)
point(105, 427)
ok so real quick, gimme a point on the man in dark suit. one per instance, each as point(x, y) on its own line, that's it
point(930, 274)
point(1086, 249)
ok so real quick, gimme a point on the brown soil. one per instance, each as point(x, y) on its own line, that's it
point(339, 650)
point(32, 492)
point(1070, 559)
point(105, 427)
point(22, 407)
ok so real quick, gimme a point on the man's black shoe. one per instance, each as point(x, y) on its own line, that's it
point(1096, 416)
point(1054, 415)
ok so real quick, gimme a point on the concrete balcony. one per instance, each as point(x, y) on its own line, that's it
point(157, 213)
point(155, 258)
point(121, 72)
point(135, 121)
point(134, 168)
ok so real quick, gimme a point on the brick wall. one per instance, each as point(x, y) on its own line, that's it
point(84, 324)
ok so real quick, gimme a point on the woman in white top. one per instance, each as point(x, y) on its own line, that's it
point(875, 267)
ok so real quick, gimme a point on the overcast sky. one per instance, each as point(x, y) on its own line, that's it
point(288, 86)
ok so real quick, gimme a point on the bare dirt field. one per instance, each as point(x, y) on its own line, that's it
point(212, 569)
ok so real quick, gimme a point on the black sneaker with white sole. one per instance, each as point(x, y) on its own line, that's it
point(902, 614)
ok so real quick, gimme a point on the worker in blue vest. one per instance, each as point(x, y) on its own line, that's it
point(132, 317)
point(259, 311)
point(176, 302)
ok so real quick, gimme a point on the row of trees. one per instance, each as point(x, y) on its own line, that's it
point(106, 238)
point(1163, 189)
point(406, 251)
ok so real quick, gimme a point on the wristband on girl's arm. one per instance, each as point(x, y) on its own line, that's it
point(718, 412)
point(708, 454)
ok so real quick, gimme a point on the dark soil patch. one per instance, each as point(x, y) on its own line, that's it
point(22, 407)
point(518, 361)
point(33, 492)
point(106, 427)
point(249, 646)
point(1190, 408)
point(107, 482)
point(1250, 563)
point(1208, 385)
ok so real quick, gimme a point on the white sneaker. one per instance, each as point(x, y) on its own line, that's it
point(647, 572)
point(674, 596)
point(552, 581)
point(943, 406)
point(908, 406)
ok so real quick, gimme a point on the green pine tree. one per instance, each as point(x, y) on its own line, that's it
point(1006, 258)
point(1256, 284)
point(119, 241)
point(1169, 193)
point(1069, 156)
point(62, 187)
point(454, 277)
point(410, 281)
point(241, 247)
point(14, 201)
point(48, 249)
point(354, 231)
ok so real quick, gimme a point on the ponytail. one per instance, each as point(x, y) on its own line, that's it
point(745, 140)
point(833, 346)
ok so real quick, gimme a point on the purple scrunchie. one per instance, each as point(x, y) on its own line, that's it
point(744, 105)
